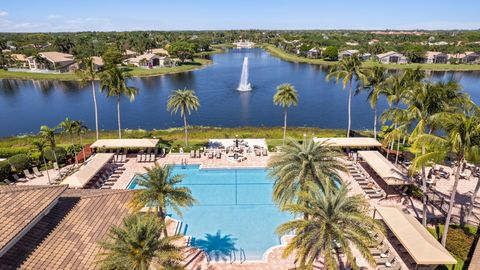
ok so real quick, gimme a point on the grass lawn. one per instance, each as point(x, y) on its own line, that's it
point(174, 137)
point(434, 67)
point(136, 72)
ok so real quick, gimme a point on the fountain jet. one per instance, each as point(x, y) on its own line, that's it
point(244, 84)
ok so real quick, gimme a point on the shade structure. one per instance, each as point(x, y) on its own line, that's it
point(353, 142)
point(384, 168)
point(80, 178)
point(419, 243)
point(216, 143)
point(125, 143)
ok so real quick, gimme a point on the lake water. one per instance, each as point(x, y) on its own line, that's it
point(27, 104)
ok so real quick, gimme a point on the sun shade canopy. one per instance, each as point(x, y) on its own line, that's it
point(384, 168)
point(80, 178)
point(349, 142)
point(125, 143)
point(419, 243)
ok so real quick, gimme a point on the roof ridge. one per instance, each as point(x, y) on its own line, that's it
point(12, 189)
point(105, 193)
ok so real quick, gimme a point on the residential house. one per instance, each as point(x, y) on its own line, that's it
point(149, 60)
point(98, 63)
point(51, 227)
point(313, 53)
point(373, 41)
point(353, 43)
point(346, 53)
point(464, 58)
point(392, 57)
point(21, 60)
point(52, 61)
point(160, 51)
point(129, 53)
point(435, 58)
point(365, 56)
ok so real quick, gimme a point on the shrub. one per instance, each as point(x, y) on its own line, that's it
point(459, 242)
point(72, 149)
point(60, 152)
point(6, 152)
point(19, 162)
point(5, 170)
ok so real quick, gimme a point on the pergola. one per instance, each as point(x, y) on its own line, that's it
point(351, 142)
point(124, 143)
point(419, 243)
point(93, 165)
point(384, 168)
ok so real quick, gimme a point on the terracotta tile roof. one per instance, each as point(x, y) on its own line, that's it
point(20, 205)
point(67, 237)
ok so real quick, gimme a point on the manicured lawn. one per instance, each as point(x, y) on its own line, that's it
point(435, 67)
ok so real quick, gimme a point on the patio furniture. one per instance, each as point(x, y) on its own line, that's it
point(210, 155)
point(219, 155)
point(192, 154)
point(55, 166)
point(389, 259)
point(28, 174)
point(37, 172)
point(197, 154)
point(264, 152)
point(19, 179)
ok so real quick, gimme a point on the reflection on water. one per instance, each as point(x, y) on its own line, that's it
point(31, 103)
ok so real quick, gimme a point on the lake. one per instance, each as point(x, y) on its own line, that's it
point(27, 104)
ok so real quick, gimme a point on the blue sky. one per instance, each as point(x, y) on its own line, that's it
point(106, 15)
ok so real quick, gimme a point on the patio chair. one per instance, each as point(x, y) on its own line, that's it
point(55, 166)
point(395, 266)
point(389, 259)
point(197, 154)
point(18, 178)
point(264, 152)
point(37, 172)
point(219, 155)
point(192, 154)
point(138, 157)
point(7, 182)
point(210, 155)
point(28, 174)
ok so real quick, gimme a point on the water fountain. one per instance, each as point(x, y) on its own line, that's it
point(244, 84)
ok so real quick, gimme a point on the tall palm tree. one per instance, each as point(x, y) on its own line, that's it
point(48, 134)
point(375, 81)
point(349, 69)
point(67, 127)
point(162, 191)
point(335, 220)
point(88, 73)
point(40, 146)
point(114, 84)
point(462, 131)
point(303, 167)
point(184, 101)
point(137, 244)
point(285, 96)
point(80, 129)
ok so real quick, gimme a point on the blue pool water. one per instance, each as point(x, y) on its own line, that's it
point(234, 211)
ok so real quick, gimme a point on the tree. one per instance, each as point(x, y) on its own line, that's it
point(114, 84)
point(182, 49)
point(375, 80)
point(285, 96)
point(40, 146)
point(330, 53)
point(304, 167)
point(184, 101)
point(462, 131)
point(112, 57)
point(80, 129)
point(138, 244)
point(48, 134)
point(335, 220)
point(162, 190)
point(19, 162)
point(348, 70)
point(88, 73)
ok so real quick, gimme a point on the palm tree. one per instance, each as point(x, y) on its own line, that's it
point(138, 244)
point(79, 130)
point(303, 167)
point(114, 83)
point(88, 73)
point(285, 96)
point(67, 127)
point(40, 146)
point(184, 101)
point(335, 220)
point(375, 81)
point(462, 132)
point(162, 191)
point(48, 134)
point(348, 70)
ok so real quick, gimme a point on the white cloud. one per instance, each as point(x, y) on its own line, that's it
point(3, 13)
point(53, 16)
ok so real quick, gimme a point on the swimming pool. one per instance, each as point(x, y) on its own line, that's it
point(234, 211)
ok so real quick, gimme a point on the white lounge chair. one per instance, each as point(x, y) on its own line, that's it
point(28, 174)
point(37, 172)
point(18, 178)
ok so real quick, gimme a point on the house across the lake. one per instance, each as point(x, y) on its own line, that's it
point(97, 62)
point(57, 61)
point(392, 57)
point(436, 58)
point(149, 60)
point(346, 53)
point(313, 53)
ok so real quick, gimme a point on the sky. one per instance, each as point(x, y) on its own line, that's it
point(122, 15)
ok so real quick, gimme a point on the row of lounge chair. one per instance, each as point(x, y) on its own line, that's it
point(367, 184)
point(383, 254)
point(106, 178)
point(36, 173)
point(119, 158)
point(146, 158)
point(217, 155)
point(195, 154)
point(261, 152)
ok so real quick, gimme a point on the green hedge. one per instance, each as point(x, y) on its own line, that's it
point(60, 152)
point(19, 162)
point(5, 170)
point(12, 151)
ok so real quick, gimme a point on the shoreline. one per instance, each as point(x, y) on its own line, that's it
point(276, 52)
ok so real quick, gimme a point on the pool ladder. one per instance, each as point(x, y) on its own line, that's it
point(184, 163)
point(241, 254)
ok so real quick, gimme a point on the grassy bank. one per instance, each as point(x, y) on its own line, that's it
point(136, 72)
point(433, 67)
point(174, 137)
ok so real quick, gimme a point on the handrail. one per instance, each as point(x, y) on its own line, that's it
point(233, 257)
point(242, 251)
